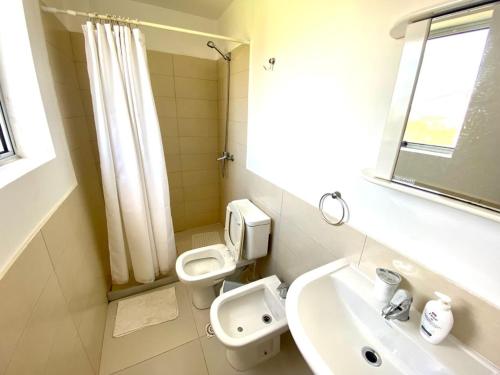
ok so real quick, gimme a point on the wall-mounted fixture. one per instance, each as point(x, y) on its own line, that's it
point(271, 63)
point(345, 209)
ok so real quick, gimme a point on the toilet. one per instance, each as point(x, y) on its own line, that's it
point(246, 236)
point(248, 321)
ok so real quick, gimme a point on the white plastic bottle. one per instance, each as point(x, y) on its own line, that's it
point(437, 319)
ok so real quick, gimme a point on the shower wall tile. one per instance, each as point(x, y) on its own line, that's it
point(78, 47)
point(197, 127)
point(171, 145)
point(239, 85)
point(193, 67)
point(165, 106)
point(197, 108)
point(199, 162)
point(200, 178)
point(173, 163)
point(195, 88)
point(198, 145)
point(163, 85)
point(160, 63)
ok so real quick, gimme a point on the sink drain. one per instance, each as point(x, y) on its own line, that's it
point(371, 356)
point(267, 318)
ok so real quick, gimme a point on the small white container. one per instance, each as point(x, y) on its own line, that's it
point(386, 284)
point(437, 319)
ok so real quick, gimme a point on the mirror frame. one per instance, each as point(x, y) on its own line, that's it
point(415, 29)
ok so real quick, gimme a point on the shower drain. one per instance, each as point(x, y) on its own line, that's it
point(209, 330)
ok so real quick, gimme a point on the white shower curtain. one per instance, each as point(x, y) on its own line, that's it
point(134, 178)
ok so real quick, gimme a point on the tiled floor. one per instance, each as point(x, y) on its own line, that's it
point(181, 347)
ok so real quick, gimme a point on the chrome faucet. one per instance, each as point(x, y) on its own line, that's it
point(226, 156)
point(283, 290)
point(399, 306)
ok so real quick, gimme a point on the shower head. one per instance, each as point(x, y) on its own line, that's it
point(211, 44)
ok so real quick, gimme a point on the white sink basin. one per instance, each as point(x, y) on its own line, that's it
point(333, 316)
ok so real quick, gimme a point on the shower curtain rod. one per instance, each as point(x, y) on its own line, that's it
point(108, 17)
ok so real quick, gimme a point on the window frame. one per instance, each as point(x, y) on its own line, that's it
point(6, 139)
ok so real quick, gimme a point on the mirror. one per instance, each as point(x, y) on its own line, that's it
point(451, 136)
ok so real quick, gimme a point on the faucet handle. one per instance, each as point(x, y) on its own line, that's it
point(399, 306)
point(401, 298)
point(283, 290)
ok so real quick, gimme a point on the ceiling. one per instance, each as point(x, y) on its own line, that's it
point(204, 8)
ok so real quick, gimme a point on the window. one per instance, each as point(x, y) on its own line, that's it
point(6, 143)
point(447, 78)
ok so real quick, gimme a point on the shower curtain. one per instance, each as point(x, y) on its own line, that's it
point(134, 178)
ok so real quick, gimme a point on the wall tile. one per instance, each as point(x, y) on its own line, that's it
point(240, 59)
point(20, 289)
point(175, 179)
point(165, 107)
point(198, 192)
point(162, 85)
point(199, 162)
point(198, 145)
point(197, 127)
point(193, 67)
point(239, 85)
point(197, 108)
point(173, 162)
point(78, 46)
point(76, 131)
point(193, 88)
point(168, 126)
point(238, 109)
point(82, 75)
point(171, 145)
point(51, 325)
point(160, 63)
point(342, 241)
point(192, 178)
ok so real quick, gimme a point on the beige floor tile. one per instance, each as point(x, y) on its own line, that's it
point(185, 360)
point(123, 352)
point(288, 362)
point(201, 318)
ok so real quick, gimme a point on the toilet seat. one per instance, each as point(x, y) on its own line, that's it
point(210, 264)
point(205, 263)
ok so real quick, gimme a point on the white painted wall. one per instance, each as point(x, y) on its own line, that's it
point(316, 121)
point(159, 40)
point(26, 202)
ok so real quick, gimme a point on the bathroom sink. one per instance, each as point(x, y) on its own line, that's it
point(338, 328)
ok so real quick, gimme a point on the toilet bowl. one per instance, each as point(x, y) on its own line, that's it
point(246, 234)
point(249, 321)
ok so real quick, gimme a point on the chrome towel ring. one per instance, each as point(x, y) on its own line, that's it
point(345, 209)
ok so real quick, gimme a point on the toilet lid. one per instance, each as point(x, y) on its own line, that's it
point(234, 230)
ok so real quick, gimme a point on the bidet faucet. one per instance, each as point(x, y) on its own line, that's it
point(283, 290)
point(399, 306)
point(226, 156)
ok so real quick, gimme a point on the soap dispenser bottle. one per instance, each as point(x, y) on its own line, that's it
point(437, 319)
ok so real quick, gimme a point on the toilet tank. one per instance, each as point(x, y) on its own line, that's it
point(257, 230)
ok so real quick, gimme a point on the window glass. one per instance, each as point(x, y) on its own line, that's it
point(445, 84)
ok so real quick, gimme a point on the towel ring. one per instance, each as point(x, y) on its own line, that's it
point(345, 209)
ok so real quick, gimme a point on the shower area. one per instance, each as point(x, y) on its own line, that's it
point(201, 105)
